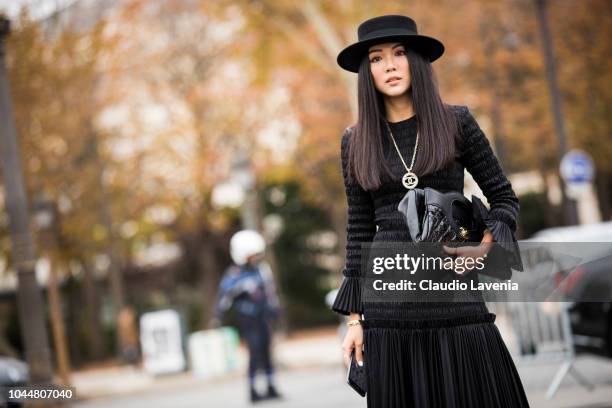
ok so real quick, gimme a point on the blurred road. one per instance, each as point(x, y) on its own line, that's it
point(310, 373)
point(312, 387)
point(325, 387)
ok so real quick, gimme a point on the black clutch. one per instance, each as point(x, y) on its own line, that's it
point(356, 376)
point(433, 216)
point(450, 218)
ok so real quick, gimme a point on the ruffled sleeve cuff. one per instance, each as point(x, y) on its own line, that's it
point(348, 299)
point(502, 227)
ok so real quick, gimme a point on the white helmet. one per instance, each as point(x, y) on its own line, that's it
point(244, 244)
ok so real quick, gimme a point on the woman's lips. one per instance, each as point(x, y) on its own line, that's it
point(394, 81)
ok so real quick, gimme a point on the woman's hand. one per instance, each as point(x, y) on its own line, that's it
point(466, 255)
point(353, 340)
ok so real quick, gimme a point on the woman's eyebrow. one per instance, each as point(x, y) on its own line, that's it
point(378, 49)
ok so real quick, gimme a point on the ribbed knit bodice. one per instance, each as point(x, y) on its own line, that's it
point(373, 215)
point(387, 196)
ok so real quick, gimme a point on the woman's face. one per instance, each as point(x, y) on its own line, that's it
point(387, 61)
point(255, 258)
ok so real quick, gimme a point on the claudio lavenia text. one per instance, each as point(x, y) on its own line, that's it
point(428, 284)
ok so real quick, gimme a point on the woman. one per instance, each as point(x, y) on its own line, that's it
point(427, 354)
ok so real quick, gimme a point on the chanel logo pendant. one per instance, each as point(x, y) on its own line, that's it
point(410, 180)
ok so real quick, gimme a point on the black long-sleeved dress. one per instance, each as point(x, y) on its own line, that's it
point(430, 354)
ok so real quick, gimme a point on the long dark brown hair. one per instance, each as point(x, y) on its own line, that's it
point(436, 123)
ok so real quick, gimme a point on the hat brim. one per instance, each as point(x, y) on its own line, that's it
point(350, 57)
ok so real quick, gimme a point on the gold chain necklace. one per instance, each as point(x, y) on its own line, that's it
point(410, 180)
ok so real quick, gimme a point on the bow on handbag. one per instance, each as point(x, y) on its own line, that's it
point(433, 216)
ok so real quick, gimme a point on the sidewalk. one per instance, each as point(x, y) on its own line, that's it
point(536, 378)
point(315, 357)
point(306, 349)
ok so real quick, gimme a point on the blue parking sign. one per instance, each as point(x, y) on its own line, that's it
point(576, 167)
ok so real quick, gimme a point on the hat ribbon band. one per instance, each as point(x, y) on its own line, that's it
point(385, 32)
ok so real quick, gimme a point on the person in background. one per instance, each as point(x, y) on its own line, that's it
point(128, 334)
point(248, 286)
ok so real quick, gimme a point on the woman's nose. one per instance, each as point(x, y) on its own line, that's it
point(389, 62)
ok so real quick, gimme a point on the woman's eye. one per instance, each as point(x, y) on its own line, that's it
point(374, 59)
point(402, 52)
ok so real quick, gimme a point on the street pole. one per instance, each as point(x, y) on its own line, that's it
point(251, 214)
point(30, 302)
point(115, 268)
point(57, 323)
point(570, 208)
point(243, 173)
point(47, 220)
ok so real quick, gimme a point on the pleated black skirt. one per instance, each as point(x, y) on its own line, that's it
point(438, 355)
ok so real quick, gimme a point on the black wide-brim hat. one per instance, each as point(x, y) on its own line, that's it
point(388, 28)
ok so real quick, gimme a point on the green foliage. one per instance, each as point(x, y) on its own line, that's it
point(300, 277)
point(532, 217)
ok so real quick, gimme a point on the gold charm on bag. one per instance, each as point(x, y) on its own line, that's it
point(409, 180)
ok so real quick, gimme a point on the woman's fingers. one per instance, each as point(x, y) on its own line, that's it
point(466, 256)
point(448, 263)
point(359, 353)
point(450, 250)
point(353, 341)
point(347, 349)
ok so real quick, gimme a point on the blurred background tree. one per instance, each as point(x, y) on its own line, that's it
point(130, 112)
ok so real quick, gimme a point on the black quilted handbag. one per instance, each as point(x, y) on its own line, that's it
point(450, 218)
point(433, 216)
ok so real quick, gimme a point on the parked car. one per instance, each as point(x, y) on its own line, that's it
point(589, 285)
point(13, 373)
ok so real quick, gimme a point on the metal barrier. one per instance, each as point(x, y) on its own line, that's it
point(543, 333)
